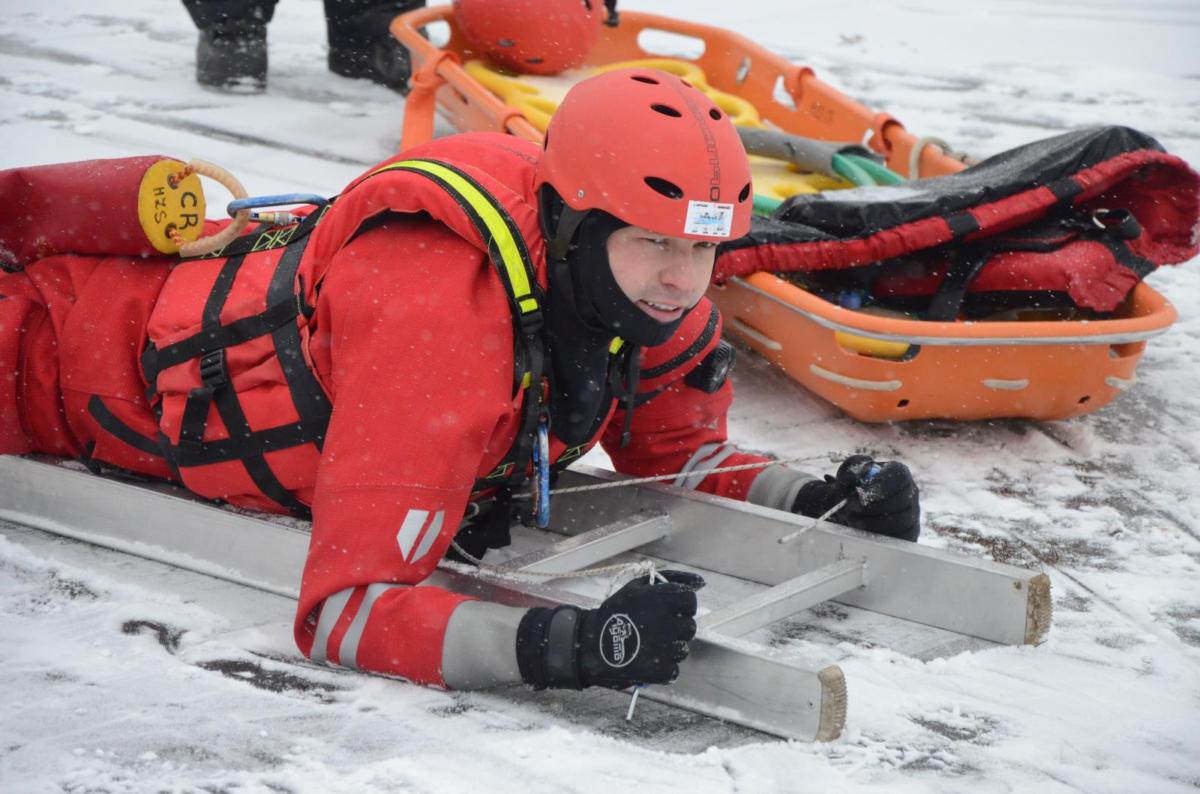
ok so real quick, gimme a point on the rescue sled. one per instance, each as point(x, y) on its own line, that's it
point(908, 596)
point(875, 366)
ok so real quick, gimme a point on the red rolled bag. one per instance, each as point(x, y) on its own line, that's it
point(1074, 221)
point(134, 206)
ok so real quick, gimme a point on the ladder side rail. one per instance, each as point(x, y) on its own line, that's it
point(164, 525)
point(733, 681)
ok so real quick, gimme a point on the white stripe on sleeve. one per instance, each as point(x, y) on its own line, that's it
point(331, 610)
point(348, 651)
point(709, 456)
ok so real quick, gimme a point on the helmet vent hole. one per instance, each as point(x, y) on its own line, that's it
point(505, 43)
point(667, 110)
point(535, 60)
point(668, 189)
point(745, 194)
point(587, 4)
point(641, 78)
point(714, 114)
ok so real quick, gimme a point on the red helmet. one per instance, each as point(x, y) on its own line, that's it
point(532, 36)
point(652, 150)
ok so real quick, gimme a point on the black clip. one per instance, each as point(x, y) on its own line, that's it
point(1119, 223)
point(212, 369)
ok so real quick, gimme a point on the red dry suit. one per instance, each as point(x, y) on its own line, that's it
point(400, 318)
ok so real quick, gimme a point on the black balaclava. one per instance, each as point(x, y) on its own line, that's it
point(586, 308)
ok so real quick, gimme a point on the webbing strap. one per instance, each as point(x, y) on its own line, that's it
point(243, 444)
point(312, 405)
point(495, 226)
point(108, 421)
point(510, 255)
point(267, 238)
point(254, 442)
point(206, 343)
point(256, 465)
point(505, 244)
point(218, 337)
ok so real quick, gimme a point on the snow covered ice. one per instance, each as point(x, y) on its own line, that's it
point(125, 675)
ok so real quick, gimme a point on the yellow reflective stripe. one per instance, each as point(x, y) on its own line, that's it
point(525, 381)
point(616, 345)
point(510, 253)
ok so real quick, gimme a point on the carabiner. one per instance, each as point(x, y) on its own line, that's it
point(541, 475)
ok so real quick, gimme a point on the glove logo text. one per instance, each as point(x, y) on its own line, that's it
point(619, 641)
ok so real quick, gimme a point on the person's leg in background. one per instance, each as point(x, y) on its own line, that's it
point(231, 54)
point(360, 44)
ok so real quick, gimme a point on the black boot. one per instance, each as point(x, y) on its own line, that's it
point(362, 46)
point(232, 56)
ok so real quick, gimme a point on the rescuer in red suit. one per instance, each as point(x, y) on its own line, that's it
point(390, 367)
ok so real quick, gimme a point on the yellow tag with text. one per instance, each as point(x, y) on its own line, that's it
point(167, 205)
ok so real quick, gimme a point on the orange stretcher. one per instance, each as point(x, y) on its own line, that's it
point(875, 368)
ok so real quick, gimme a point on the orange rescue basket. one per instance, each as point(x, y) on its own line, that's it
point(874, 368)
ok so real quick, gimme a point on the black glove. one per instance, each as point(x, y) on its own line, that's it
point(881, 497)
point(639, 635)
point(487, 529)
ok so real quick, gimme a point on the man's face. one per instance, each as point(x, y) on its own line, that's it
point(663, 275)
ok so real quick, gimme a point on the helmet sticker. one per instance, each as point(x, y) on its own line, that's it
point(708, 219)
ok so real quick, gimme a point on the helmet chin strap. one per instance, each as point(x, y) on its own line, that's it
point(559, 223)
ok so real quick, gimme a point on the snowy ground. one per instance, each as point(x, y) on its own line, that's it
point(124, 675)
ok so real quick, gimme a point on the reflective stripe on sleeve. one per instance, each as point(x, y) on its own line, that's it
point(331, 610)
point(709, 456)
point(348, 652)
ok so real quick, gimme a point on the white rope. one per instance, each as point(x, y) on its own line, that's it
point(664, 477)
point(637, 688)
point(816, 522)
point(636, 568)
point(914, 155)
point(215, 242)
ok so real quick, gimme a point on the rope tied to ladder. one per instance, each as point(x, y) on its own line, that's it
point(665, 477)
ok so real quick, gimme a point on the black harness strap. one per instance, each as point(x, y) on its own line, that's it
point(268, 238)
point(311, 403)
point(219, 337)
point(256, 465)
point(209, 346)
point(312, 406)
point(123, 432)
point(529, 347)
point(205, 344)
point(243, 444)
point(962, 270)
point(527, 326)
point(1112, 229)
point(252, 443)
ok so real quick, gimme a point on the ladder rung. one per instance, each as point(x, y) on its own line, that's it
point(787, 598)
point(580, 551)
